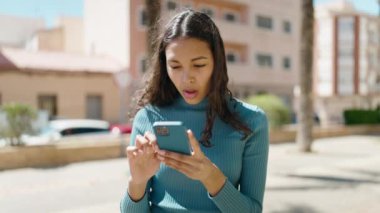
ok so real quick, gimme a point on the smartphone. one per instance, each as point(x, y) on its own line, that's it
point(172, 136)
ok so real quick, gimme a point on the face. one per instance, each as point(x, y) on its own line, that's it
point(190, 63)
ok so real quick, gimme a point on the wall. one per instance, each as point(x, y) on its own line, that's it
point(71, 91)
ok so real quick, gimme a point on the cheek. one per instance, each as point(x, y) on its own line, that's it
point(174, 78)
point(208, 79)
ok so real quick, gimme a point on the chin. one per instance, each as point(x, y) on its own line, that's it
point(192, 101)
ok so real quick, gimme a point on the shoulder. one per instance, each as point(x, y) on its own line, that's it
point(252, 115)
point(148, 113)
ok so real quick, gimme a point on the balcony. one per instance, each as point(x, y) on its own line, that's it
point(235, 31)
point(240, 74)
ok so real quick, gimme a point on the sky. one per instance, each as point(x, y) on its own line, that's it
point(369, 6)
point(51, 9)
point(47, 9)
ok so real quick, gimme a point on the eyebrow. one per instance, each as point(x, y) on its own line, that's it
point(198, 58)
point(194, 59)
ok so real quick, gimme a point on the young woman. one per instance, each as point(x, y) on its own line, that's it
point(226, 171)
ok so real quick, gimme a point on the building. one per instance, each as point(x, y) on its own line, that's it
point(66, 85)
point(16, 31)
point(106, 29)
point(261, 38)
point(66, 36)
point(346, 56)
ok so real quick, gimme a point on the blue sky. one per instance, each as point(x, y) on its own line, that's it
point(47, 9)
point(50, 9)
point(369, 6)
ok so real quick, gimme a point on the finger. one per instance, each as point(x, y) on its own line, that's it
point(193, 142)
point(175, 156)
point(140, 141)
point(130, 150)
point(178, 165)
point(148, 149)
point(155, 146)
point(150, 137)
point(139, 152)
point(152, 141)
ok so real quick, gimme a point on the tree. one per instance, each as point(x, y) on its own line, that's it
point(305, 110)
point(276, 110)
point(19, 121)
point(153, 8)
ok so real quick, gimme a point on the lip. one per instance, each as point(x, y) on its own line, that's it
point(190, 94)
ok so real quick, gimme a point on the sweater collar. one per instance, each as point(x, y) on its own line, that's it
point(181, 103)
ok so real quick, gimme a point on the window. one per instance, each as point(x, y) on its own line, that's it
point(264, 22)
point(143, 17)
point(231, 57)
point(286, 62)
point(210, 12)
point(287, 26)
point(48, 103)
point(230, 16)
point(171, 5)
point(264, 60)
point(94, 107)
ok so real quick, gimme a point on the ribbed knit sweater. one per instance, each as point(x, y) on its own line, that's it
point(243, 162)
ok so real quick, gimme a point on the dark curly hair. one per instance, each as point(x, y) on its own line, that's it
point(192, 24)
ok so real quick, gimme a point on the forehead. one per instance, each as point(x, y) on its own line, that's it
point(187, 48)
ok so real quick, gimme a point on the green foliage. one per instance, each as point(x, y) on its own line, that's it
point(19, 120)
point(361, 116)
point(277, 112)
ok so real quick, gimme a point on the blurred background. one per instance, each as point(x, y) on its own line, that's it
point(69, 70)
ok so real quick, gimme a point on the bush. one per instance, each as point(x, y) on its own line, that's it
point(361, 116)
point(19, 121)
point(277, 112)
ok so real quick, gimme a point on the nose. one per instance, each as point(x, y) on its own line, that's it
point(188, 77)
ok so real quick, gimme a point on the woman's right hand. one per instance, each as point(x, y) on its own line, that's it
point(143, 163)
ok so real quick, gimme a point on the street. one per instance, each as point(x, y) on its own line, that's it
point(341, 175)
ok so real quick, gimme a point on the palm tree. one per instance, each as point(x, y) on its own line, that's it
point(305, 113)
point(153, 9)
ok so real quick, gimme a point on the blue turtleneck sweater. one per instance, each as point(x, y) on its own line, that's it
point(243, 162)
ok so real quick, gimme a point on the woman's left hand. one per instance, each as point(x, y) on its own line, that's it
point(196, 166)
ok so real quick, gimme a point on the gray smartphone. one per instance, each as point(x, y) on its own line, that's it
point(172, 136)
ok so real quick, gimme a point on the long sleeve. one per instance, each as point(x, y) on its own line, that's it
point(126, 204)
point(129, 206)
point(253, 175)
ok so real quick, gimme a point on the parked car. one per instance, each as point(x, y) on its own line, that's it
point(121, 128)
point(65, 128)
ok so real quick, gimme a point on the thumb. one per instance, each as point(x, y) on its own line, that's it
point(193, 142)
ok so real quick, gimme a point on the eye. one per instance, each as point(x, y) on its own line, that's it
point(199, 65)
point(175, 67)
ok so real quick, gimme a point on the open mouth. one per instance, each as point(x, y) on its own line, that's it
point(190, 94)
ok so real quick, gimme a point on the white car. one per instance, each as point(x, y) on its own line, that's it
point(58, 130)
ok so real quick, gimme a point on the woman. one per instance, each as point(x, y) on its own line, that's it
point(226, 171)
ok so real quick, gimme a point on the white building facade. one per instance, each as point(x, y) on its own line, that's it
point(346, 67)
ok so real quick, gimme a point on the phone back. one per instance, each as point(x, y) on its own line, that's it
point(172, 136)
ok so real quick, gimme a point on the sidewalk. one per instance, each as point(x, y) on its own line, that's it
point(341, 175)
